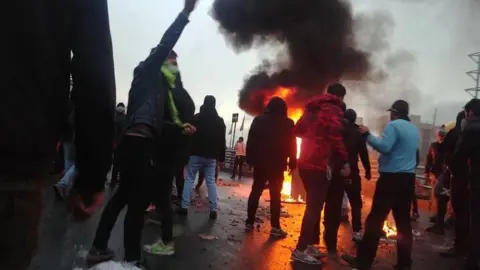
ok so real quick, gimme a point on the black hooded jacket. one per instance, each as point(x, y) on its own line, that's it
point(469, 148)
point(270, 139)
point(355, 143)
point(457, 164)
point(209, 139)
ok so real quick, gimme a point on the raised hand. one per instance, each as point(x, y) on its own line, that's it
point(189, 6)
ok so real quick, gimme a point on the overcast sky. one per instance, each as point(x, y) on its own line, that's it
point(439, 34)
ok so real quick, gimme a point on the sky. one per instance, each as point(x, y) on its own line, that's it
point(436, 35)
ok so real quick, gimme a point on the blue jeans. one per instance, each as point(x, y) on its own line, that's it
point(67, 146)
point(67, 178)
point(194, 165)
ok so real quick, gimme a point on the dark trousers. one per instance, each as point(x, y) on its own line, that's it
point(179, 182)
point(239, 160)
point(473, 257)
point(442, 206)
point(20, 213)
point(333, 211)
point(140, 183)
point(460, 205)
point(262, 175)
point(393, 192)
point(201, 176)
point(414, 202)
point(316, 185)
point(354, 193)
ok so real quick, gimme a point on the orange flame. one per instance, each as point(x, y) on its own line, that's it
point(390, 231)
point(294, 114)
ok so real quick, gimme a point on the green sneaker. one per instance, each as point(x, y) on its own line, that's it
point(160, 249)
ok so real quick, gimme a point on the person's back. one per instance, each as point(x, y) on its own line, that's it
point(402, 155)
point(270, 140)
point(209, 138)
point(37, 51)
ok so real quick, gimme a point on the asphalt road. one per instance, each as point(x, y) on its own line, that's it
point(63, 241)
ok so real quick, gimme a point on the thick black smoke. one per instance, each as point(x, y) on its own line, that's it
point(318, 38)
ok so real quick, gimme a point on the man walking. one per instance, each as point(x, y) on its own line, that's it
point(320, 129)
point(240, 154)
point(398, 151)
point(154, 113)
point(208, 145)
point(271, 147)
point(35, 95)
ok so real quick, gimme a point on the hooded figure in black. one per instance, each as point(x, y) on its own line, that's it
point(271, 147)
point(458, 166)
point(121, 123)
point(208, 146)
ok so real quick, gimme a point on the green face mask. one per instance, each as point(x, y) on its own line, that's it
point(170, 71)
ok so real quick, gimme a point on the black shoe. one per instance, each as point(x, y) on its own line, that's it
point(351, 260)
point(415, 216)
point(213, 215)
point(436, 229)
point(182, 211)
point(96, 256)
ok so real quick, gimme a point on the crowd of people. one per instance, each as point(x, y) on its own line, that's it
point(157, 137)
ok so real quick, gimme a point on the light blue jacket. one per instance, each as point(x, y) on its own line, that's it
point(398, 147)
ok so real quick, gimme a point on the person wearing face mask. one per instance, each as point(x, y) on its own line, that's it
point(469, 147)
point(159, 110)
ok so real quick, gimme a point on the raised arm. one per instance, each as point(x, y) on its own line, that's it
point(159, 54)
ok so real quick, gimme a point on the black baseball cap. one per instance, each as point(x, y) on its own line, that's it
point(400, 107)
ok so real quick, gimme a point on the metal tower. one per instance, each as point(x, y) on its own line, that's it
point(475, 74)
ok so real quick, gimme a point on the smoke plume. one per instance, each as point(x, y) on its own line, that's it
point(316, 35)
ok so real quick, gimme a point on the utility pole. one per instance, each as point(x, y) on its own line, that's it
point(475, 75)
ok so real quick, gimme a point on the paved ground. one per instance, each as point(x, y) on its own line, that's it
point(63, 241)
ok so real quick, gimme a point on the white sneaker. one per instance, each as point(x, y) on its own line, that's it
point(357, 236)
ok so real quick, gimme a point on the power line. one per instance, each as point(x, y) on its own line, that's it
point(475, 75)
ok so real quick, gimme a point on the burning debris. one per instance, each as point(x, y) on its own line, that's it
point(316, 39)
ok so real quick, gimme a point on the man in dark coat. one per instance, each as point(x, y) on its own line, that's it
point(356, 147)
point(469, 147)
point(37, 49)
point(271, 147)
point(157, 111)
point(208, 146)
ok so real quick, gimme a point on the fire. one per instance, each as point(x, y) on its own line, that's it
point(390, 232)
point(294, 114)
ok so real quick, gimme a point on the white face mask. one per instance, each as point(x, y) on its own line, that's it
point(173, 68)
point(463, 123)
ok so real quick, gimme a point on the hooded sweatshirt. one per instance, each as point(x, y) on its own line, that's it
point(321, 131)
point(209, 139)
point(270, 139)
